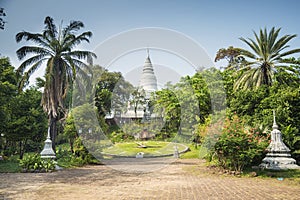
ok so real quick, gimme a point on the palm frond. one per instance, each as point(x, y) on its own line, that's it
point(267, 58)
point(251, 44)
point(25, 50)
point(34, 37)
point(30, 61)
point(73, 26)
point(77, 40)
point(290, 52)
point(247, 54)
point(80, 54)
point(50, 28)
point(282, 42)
point(26, 75)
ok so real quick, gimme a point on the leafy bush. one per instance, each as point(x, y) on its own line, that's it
point(120, 136)
point(291, 137)
point(81, 155)
point(34, 163)
point(238, 147)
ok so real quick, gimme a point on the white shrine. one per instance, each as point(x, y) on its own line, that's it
point(147, 83)
point(279, 155)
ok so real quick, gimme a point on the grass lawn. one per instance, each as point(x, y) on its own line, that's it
point(193, 153)
point(152, 148)
point(10, 166)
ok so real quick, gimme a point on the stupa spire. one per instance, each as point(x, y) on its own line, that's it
point(148, 79)
point(275, 126)
point(148, 53)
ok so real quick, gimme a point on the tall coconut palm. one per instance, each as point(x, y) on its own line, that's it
point(267, 58)
point(55, 48)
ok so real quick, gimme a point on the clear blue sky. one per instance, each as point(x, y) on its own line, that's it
point(213, 24)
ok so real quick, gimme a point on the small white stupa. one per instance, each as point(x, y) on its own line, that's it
point(48, 152)
point(279, 155)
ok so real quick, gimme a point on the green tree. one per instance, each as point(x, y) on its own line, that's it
point(28, 122)
point(231, 55)
point(112, 92)
point(8, 91)
point(255, 108)
point(55, 47)
point(70, 131)
point(137, 99)
point(268, 56)
point(167, 105)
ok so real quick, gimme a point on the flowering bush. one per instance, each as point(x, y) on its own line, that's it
point(238, 147)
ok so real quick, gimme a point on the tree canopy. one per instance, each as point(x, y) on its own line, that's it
point(266, 57)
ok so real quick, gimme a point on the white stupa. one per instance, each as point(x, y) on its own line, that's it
point(279, 155)
point(148, 83)
point(148, 79)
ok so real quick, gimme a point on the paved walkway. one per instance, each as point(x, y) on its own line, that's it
point(184, 179)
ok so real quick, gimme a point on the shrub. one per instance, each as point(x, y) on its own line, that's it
point(81, 155)
point(120, 136)
point(238, 147)
point(34, 163)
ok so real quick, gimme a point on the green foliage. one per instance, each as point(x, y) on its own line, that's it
point(9, 165)
point(255, 108)
point(34, 163)
point(291, 137)
point(186, 104)
point(230, 54)
point(120, 136)
point(237, 147)
point(86, 117)
point(192, 153)
point(201, 131)
point(8, 90)
point(70, 130)
point(81, 154)
point(266, 58)
point(28, 121)
point(166, 103)
point(66, 159)
point(137, 99)
point(111, 91)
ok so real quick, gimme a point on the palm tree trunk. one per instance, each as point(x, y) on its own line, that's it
point(53, 130)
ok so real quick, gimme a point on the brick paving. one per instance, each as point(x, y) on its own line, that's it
point(184, 179)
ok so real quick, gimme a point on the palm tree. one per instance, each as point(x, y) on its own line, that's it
point(55, 48)
point(267, 59)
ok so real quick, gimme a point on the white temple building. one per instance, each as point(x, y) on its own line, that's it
point(148, 83)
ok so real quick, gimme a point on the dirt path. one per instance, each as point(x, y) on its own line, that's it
point(184, 179)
